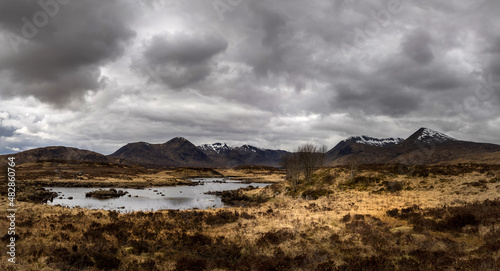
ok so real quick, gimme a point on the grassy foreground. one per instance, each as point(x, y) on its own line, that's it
point(438, 218)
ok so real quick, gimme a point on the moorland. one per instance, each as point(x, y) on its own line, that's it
point(368, 217)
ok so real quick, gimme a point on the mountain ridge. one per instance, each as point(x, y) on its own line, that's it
point(425, 146)
point(181, 152)
point(176, 152)
point(427, 135)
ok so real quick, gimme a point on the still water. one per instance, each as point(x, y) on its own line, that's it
point(151, 199)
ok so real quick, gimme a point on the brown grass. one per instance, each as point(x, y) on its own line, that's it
point(447, 220)
point(86, 174)
point(254, 174)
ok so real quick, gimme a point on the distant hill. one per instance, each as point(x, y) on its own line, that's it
point(57, 153)
point(180, 152)
point(176, 152)
point(425, 146)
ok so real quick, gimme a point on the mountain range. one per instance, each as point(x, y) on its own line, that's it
point(177, 152)
point(425, 146)
point(181, 152)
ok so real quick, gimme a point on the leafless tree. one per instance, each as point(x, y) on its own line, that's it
point(307, 159)
point(292, 165)
point(353, 163)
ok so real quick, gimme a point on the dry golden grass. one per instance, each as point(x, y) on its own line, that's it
point(348, 227)
point(57, 174)
point(254, 175)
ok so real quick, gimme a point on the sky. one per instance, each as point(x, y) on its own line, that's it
point(99, 74)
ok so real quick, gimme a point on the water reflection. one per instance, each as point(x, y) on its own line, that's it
point(152, 199)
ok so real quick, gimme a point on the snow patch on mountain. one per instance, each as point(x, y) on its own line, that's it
point(378, 142)
point(216, 147)
point(250, 148)
point(221, 147)
point(428, 135)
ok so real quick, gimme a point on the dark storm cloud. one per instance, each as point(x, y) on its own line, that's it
point(493, 67)
point(64, 46)
point(273, 40)
point(434, 77)
point(493, 77)
point(273, 46)
point(417, 46)
point(183, 49)
point(289, 69)
point(376, 98)
point(6, 131)
point(179, 60)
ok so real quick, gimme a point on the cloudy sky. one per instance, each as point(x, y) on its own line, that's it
point(97, 74)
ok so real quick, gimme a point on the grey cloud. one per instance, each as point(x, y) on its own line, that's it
point(6, 131)
point(272, 47)
point(62, 61)
point(491, 70)
point(435, 77)
point(184, 49)
point(417, 46)
point(65, 90)
point(179, 60)
point(494, 64)
point(376, 98)
point(494, 46)
point(493, 76)
point(293, 67)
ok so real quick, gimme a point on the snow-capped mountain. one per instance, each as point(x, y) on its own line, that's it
point(249, 148)
point(181, 152)
point(227, 156)
point(216, 147)
point(425, 146)
point(378, 142)
point(427, 135)
point(223, 147)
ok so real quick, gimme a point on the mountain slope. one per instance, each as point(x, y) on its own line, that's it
point(226, 156)
point(57, 153)
point(427, 136)
point(257, 156)
point(180, 152)
point(375, 141)
point(176, 152)
point(362, 149)
point(216, 147)
point(425, 146)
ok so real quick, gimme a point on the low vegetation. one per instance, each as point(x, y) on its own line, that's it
point(438, 218)
point(239, 198)
point(258, 174)
point(105, 194)
point(301, 164)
